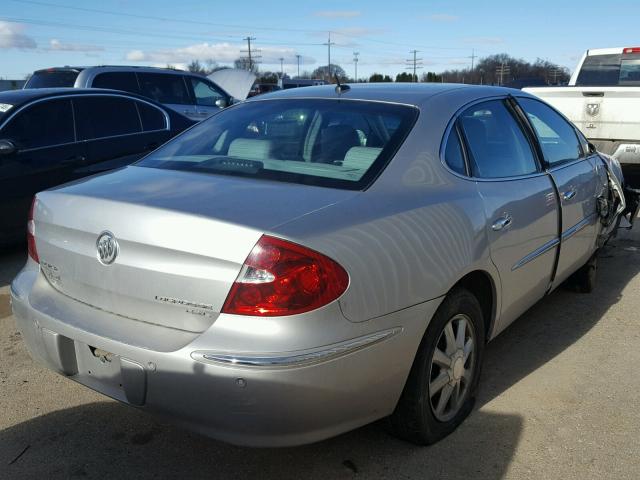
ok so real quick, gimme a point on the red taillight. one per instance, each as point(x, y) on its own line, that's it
point(631, 50)
point(283, 278)
point(31, 234)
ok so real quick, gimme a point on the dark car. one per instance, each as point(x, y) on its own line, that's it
point(52, 136)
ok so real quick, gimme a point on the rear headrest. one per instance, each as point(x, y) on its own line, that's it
point(361, 157)
point(250, 149)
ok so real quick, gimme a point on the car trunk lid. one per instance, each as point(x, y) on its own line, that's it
point(182, 239)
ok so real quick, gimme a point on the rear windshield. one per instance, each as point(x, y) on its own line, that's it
point(610, 71)
point(333, 143)
point(53, 79)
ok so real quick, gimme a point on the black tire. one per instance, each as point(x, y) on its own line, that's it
point(584, 280)
point(414, 419)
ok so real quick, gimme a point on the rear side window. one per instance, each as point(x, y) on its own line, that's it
point(164, 88)
point(204, 93)
point(125, 81)
point(453, 153)
point(52, 79)
point(152, 118)
point(43, 124)
point(556, 136)
point(498, 147)
point(340, 144)
point(106, 116)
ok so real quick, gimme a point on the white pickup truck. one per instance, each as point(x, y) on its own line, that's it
point(603, 100)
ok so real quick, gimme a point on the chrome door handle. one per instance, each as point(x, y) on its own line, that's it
point(501, 223)
point(569, 194)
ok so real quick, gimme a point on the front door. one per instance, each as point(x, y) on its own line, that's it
point(578, 185)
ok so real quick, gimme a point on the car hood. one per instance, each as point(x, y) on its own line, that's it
point(235, 82)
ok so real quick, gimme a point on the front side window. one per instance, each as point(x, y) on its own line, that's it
point(105, 116)
point(498, 147)
point(557, 137)
point(335, 143)
point(164, 88)
point(43, 124)
point(204, 93)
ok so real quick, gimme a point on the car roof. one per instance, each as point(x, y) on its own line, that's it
point(414, 94)
point(20, 97)
point(115, 68)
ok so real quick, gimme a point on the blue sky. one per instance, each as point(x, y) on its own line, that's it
point(37, 34)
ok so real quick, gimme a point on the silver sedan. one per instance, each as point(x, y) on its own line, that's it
point(316, 259)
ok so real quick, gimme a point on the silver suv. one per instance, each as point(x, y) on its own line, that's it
point(192, 95)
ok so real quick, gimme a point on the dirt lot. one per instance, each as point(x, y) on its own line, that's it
point(558, 399)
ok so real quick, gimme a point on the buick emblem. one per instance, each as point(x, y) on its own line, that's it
point(108, 248)
point(593, 109)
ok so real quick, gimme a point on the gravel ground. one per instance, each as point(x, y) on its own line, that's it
point(558, 399)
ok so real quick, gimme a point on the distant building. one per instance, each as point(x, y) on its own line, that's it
point(11, 84)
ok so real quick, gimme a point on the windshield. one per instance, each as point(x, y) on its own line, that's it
point(334, 143)
point(52, 79)
point(610, 71)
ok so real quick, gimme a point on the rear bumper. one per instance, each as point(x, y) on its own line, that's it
point(253, 397)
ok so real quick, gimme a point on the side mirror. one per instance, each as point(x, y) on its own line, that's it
point(7, 147)
point(222, 103)
point(592, 148)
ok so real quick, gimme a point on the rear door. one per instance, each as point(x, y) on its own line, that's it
point(47, 155)
point(578, 183)
point(519, 201)
point(170, 90)
point(111, 127)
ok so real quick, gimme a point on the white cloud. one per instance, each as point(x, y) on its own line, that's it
point(11, 36)
point(57, 45)
point(219, 52)
point(338, 13)
point(357, 31)
point(443, 17)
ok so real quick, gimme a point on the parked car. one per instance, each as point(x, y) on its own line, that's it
point(52, 136)
point(192, 95)
point(303, 264)
point(603, 100)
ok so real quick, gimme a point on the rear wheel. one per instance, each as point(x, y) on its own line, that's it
point(440, 390)
point(584, 280)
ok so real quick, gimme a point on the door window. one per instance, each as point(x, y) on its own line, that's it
point(106, 116)
point(557, 137)
point(152, 118)
point(205, 94)
point(125, 81)
point(498, 147)
point(164, 88)
point(44, 124)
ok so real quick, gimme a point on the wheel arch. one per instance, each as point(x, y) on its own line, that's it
point(481, 284)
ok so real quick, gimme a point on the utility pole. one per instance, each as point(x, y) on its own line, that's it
point(473, 57)
point(281, 67)
point(355, 64)
point(501, 71)
point(298, 56)
point(328, 44)
point(251, 57)
point(414, 64)
point(555, 73)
